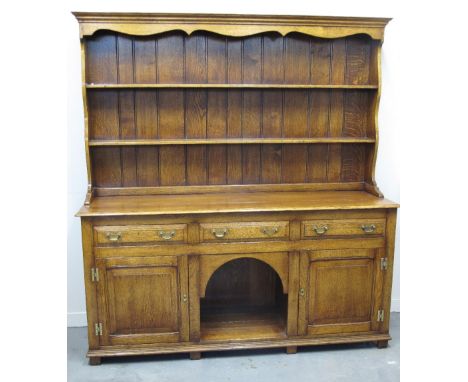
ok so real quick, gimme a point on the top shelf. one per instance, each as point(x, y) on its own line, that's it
point(226, 86)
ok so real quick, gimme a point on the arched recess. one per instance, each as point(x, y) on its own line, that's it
point(277, 261)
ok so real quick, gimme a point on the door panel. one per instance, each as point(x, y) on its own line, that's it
point(341, 291)
point(140, 300)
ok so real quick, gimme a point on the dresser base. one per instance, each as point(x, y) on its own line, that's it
point(196, 349)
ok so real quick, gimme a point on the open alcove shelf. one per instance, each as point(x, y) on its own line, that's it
point(241, 146)
point(250, 306)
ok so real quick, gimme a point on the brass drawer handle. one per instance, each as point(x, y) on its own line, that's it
point(219, 233)
point(368, 228)
point(302, 292)
point(320, 230)
point(167, 235)
point(113, 236)
point(270, 231)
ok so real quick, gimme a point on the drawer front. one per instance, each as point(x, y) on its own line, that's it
point(166, 233)
point(345, 227)
point(212, 232)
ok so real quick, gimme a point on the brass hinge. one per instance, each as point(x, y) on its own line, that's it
point(383, 263)
point(94, 274)
point(98, 329)
point(380, 315)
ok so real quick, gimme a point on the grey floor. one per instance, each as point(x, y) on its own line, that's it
point(359, 362)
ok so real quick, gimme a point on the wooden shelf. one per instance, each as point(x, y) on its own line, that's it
point(242, 326)
point(226, 86)
point(235, 141)
point(233, 202)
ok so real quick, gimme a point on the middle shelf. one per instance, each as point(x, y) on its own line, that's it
point(222, 141)
point(231, 86)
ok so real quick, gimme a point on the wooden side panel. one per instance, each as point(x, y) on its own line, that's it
point(91, 293)
point(387, 277)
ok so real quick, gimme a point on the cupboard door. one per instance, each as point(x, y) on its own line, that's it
point(143, 300)
point(340, 291)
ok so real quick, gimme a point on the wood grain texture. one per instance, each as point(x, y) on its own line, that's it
point(155, 115)
point(236, 345)
point(139, 300)
point(293, 293)
point(231, 25)
point(340, 290)
point(91, 293)
point(238, 202)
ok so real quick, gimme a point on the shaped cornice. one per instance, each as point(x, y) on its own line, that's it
point(145, 24)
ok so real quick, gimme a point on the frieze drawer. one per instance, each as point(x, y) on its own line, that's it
point(244, 231)
point(345, 227)
point(166, 233)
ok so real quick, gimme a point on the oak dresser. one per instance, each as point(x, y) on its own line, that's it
point(231, 199)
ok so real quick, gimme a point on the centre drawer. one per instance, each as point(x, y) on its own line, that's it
point(210, 232)
point(344, 227)
point(165, 233)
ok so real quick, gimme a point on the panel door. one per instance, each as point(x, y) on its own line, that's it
point(143, 300)
point(340, 291)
